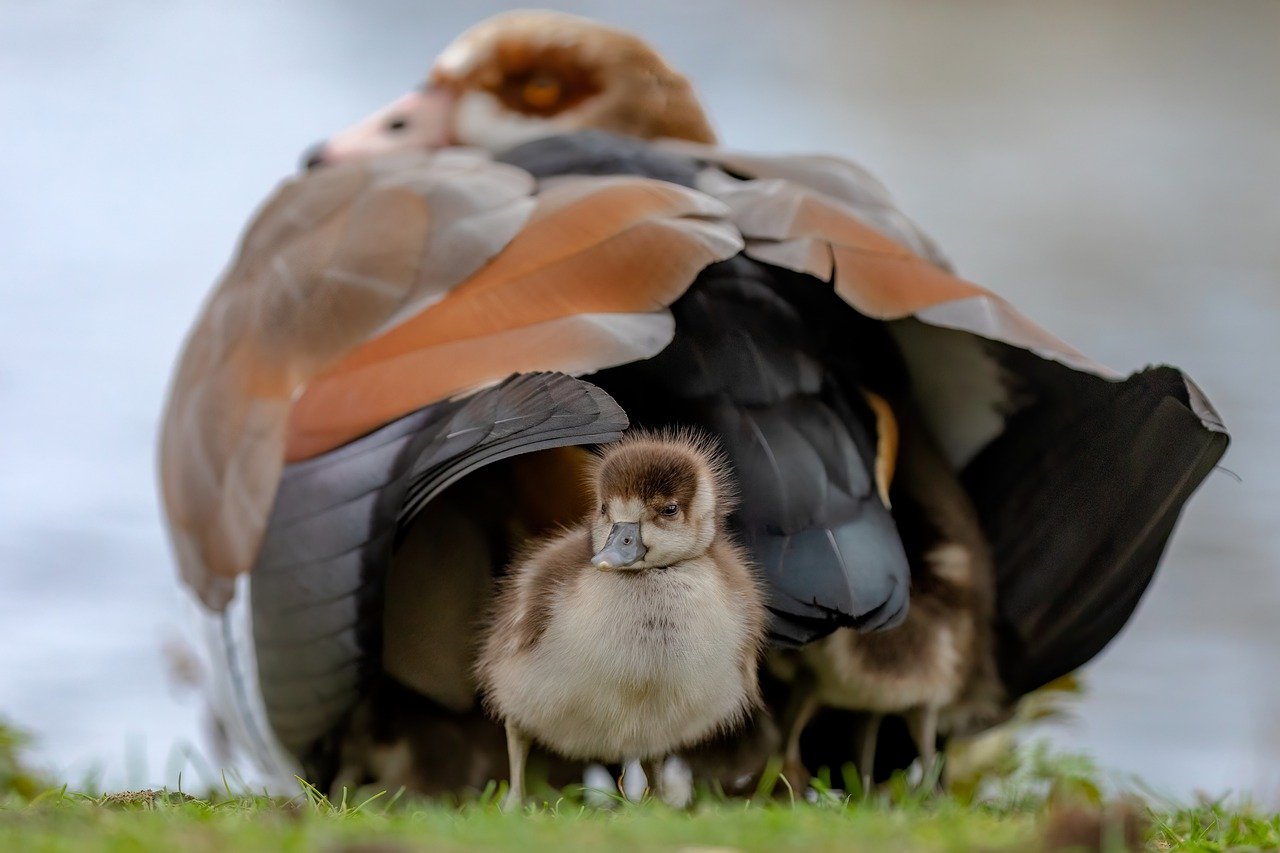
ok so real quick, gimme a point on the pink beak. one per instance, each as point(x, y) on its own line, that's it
point(422, 120)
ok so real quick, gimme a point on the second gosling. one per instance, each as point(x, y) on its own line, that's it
point(636, 632)
point(937, 669)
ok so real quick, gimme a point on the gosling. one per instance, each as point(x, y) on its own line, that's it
point(937, 669)
point(636, 632)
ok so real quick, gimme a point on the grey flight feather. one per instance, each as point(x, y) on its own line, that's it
point(315, 592)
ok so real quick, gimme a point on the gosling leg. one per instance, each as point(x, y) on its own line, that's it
point(923, 725)
point(801, 706)
point(517, 753)
point(653, 776)
point(867, 754)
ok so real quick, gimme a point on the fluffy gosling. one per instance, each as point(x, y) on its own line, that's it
point(937, 669)
point(637, 631)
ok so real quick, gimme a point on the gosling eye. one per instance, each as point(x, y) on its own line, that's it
point(604, 510)
point(397, 124)
point(669, 510)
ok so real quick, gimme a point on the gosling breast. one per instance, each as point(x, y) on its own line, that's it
point(623, 665)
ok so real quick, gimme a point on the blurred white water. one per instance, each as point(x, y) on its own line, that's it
point(1114, 168)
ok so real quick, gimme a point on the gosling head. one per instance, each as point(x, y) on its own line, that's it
point(662, 500)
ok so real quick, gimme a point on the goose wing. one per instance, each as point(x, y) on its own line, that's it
point(1078, 474)
point(364, 292)
point(316, 591)
point(365, 295)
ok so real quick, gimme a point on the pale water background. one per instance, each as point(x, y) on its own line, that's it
point(1113, 167)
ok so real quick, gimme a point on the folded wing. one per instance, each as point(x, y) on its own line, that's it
point(351, 363)
point(315, 593)
point(363, 292)
point(1078, 474)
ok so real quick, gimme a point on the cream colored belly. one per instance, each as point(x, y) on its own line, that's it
point(630, 667)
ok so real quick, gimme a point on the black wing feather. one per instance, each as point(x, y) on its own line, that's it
point(1079, 496)
point(779, 383)
point(315, 592)
point(747, 366)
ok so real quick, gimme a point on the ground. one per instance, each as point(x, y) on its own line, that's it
point(1025, 798)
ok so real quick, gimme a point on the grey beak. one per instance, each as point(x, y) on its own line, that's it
point(622, 548)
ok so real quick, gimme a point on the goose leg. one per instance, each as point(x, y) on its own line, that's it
point(923, 725)
point(517, 753)
point(867, 754)
point(801, 706)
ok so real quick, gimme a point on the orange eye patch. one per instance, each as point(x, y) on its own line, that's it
point(542, 91)
point(538, 81)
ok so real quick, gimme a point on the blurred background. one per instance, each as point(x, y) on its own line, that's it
point(1112, 167)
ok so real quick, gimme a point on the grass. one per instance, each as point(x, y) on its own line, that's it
point(897, 818)
point(255, 824)
point(1039, 801)
point(1215, 827)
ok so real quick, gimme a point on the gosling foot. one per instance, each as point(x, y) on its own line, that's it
point(797, 776)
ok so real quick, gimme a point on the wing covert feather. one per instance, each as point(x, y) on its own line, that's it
point(593, 248)
point(331, 258)
point(366, 291)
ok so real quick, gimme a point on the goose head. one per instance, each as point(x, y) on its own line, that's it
point(662, 501)
point(525, 75)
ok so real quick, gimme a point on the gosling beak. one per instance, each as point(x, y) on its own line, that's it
point(622, 548)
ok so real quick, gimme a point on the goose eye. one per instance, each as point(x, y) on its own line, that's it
point(542, 91)
point(669, 510)
point(397, 124)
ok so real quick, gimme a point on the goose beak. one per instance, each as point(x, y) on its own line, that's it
point(420, 120)
point(623, 547)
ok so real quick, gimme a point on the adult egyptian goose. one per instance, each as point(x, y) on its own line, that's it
point(352, 365)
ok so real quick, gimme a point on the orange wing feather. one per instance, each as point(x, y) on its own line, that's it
point(828, 217)
point(331, 258)
point(366, 291)
point(594, 248)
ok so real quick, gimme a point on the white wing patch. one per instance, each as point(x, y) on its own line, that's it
point(958, 385)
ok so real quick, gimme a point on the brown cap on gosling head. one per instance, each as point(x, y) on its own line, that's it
point(662, 500)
